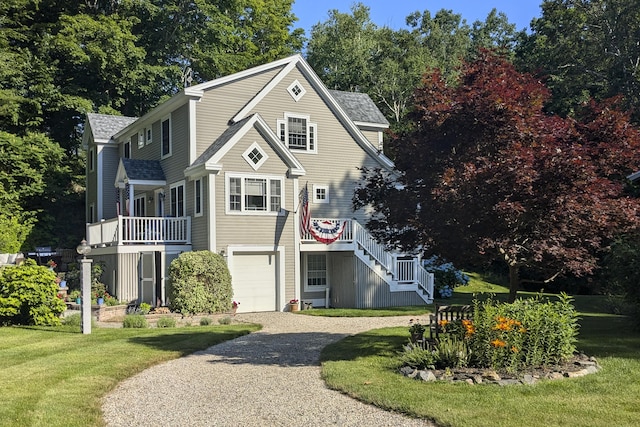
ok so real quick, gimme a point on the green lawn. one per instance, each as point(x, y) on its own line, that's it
point(56, 377)
point(364, 366)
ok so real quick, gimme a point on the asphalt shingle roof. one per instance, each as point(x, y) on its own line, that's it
point(143, 170)
point(359, 107)
point(104, 126)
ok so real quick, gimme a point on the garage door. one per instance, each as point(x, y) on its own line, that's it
point(254, 281)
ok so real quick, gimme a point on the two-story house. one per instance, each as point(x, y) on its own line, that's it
point(260, 167)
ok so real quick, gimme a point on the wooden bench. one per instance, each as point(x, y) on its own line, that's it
point(450, 313)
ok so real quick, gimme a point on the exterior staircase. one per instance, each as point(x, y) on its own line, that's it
point(401, 272)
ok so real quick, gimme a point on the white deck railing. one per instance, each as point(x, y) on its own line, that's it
point(140, 230)
point(345, 237)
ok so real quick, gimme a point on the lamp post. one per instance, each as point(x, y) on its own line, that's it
point(85, 278)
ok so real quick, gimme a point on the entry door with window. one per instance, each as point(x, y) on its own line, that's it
point(147, 278)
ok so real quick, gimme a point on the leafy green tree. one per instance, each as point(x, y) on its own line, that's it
point(485, 174)
point(585, 49)
point(351, 53)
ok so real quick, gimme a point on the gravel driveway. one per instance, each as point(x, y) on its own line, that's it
point(247, 381)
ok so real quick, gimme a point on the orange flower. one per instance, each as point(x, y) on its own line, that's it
point(469, 328)
point(514, 349)
point(498, 343)
point(443, 323)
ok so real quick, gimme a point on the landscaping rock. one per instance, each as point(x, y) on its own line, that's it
point(578, 367)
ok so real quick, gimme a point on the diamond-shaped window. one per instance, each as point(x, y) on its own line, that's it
point(255, 156)
point(296, 90)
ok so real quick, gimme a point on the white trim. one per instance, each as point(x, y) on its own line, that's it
point(195, 197)
point(148, 135)
point(158, 196)
point(309, 126)
point(141, 138)
point(192, 129)
point(243, 211)
point(215, 162)
point(162, 154)
point(246, 155)
point(211, 211)
point(317, 288)
point(99, 169)
point(232, 250)
point(297, 280)
point(268, 88)
point(296, 96)
point(315, 198)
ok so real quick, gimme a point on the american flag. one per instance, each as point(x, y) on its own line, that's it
point(305, 215)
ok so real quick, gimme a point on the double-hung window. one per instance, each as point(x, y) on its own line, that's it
point(316, 271)
point(254, 194)
point(298, 133)
point(138, 206)
point(176, 199)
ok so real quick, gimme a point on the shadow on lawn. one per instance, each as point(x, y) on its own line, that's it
point(186, 343)
point(609, 336)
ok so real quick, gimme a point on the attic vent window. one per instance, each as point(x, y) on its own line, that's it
point(296, 90)
point(255, 156)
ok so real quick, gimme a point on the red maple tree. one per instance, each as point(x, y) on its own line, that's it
point(485, 171)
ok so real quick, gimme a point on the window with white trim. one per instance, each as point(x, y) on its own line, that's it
point(176, 199)
point(320, 193)
point(254, 194)
point(149, 135)
point(298, 133)
point(316, 271)
point(165, 136)
point(141, 139)
point(197, 189)
point(139, 205)
point(255, 156)
point(296, 90)
point(126, 150)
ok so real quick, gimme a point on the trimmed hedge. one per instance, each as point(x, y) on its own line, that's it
point(200, 283)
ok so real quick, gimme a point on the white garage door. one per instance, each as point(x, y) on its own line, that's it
point(254, 281)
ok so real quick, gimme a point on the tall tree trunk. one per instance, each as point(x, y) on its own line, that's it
point(514, 281)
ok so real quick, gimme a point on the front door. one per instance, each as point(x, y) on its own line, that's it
point(147, 279)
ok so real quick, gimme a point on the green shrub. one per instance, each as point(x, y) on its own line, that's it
point(29, 295)
point(145, 308)
point(135, 321)
point(418, 356)
point(451, 352)
point(205, 321)
point(226, 320)
point(200, 283)
point(166, 322)
point(528, 332)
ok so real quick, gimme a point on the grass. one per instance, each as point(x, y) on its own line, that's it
point(57, 377)
point(365, 366)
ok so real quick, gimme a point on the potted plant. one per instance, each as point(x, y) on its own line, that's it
point(294, 304)
point(74, 295)
point(416, 329)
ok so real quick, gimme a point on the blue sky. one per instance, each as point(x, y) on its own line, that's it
point(392, 13)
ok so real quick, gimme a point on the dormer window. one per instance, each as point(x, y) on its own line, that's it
point(298, 133)
point(296, 90)
point(255, 156)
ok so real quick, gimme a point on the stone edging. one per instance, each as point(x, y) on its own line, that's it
point(579, 366)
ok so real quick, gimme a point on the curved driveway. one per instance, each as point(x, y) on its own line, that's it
point(267, 378)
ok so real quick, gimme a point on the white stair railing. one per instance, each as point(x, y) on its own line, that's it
point(405, 270)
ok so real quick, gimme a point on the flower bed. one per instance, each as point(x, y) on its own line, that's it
point(502, 338)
